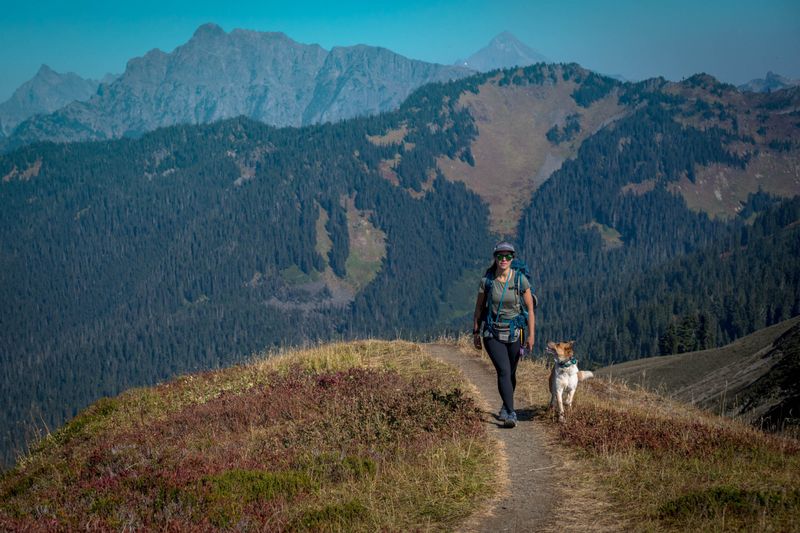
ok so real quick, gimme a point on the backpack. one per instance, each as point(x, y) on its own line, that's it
point(520, 321)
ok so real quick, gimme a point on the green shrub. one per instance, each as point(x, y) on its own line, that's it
point(337, 515)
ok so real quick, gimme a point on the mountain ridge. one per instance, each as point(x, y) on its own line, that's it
point(771, 82)
point(262, 75)
point(287, 452)
point(46, 92)
point(753, 379)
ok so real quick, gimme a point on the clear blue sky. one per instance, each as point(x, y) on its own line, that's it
point(734, 40)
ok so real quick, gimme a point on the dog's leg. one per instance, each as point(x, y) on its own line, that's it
point(560, 404)
point(551, 384)
point(570, 394)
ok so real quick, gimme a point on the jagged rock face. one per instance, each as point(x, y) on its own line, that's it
point(216, 75)
point(44, 93)
point(358, 80)
point(503, 51)
point(772, 82)
point(265, 76)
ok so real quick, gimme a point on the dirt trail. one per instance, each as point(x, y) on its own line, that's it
point(528, 501)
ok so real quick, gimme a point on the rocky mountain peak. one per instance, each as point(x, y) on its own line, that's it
point(506, 40)
point(46, 92)
point(45, 70)
point(771, 82)
point(503, 51)
point(208, 30)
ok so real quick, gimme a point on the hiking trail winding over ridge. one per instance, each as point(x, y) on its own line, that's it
point(527, 501)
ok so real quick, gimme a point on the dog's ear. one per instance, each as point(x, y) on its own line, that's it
point(551, 345)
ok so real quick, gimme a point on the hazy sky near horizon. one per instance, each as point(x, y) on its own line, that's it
point(734, 40)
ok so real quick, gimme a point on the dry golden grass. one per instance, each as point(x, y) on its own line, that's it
point(204, 452)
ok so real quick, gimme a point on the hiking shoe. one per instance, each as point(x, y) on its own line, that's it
point(503, 414)
point(511, 420)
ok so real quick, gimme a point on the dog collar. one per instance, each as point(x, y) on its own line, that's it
point(565, 364)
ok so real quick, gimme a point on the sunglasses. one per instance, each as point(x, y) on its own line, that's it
point(504, 257)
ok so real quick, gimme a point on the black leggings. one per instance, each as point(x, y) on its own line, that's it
point(504, 358)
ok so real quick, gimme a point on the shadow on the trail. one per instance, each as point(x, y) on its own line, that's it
point(493, 418)
point(534, 412)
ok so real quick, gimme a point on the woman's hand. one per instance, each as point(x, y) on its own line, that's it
point(476, 341)
point(529, 344)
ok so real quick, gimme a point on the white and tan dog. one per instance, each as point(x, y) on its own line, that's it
point(564, 376)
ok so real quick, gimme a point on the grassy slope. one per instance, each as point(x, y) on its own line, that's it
point(719, 190)
point(710, 378)
point(512, 154)
point(632, 460)
point(359, 436)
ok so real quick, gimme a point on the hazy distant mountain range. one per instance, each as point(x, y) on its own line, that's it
point(262, 75)
point(46, 92)
point(503, 51)
point(216, 75)
point(772, 82)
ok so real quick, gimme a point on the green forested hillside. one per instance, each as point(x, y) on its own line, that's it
point(127, 262)
point(130, 261)
point(671, 261)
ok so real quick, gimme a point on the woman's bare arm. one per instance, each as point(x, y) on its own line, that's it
point(528, 299)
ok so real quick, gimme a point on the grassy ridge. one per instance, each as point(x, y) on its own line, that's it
point(753, 378)
point(358, 436)
point(637, 461)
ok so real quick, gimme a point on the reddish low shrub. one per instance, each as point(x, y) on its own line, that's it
point(609, 430)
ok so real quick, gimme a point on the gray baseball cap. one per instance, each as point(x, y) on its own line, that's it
point(504, 246)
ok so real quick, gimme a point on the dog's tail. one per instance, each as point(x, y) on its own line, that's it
point(584, 374)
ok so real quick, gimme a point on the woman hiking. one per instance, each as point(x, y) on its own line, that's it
point(504, 299)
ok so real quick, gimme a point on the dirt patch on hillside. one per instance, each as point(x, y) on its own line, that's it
point(639, 189)
point(512, 154)
point(720, 190)
point(31, 172)
point(763, 127)
point(367, 247)
point(320, 290)
point(394, 136)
